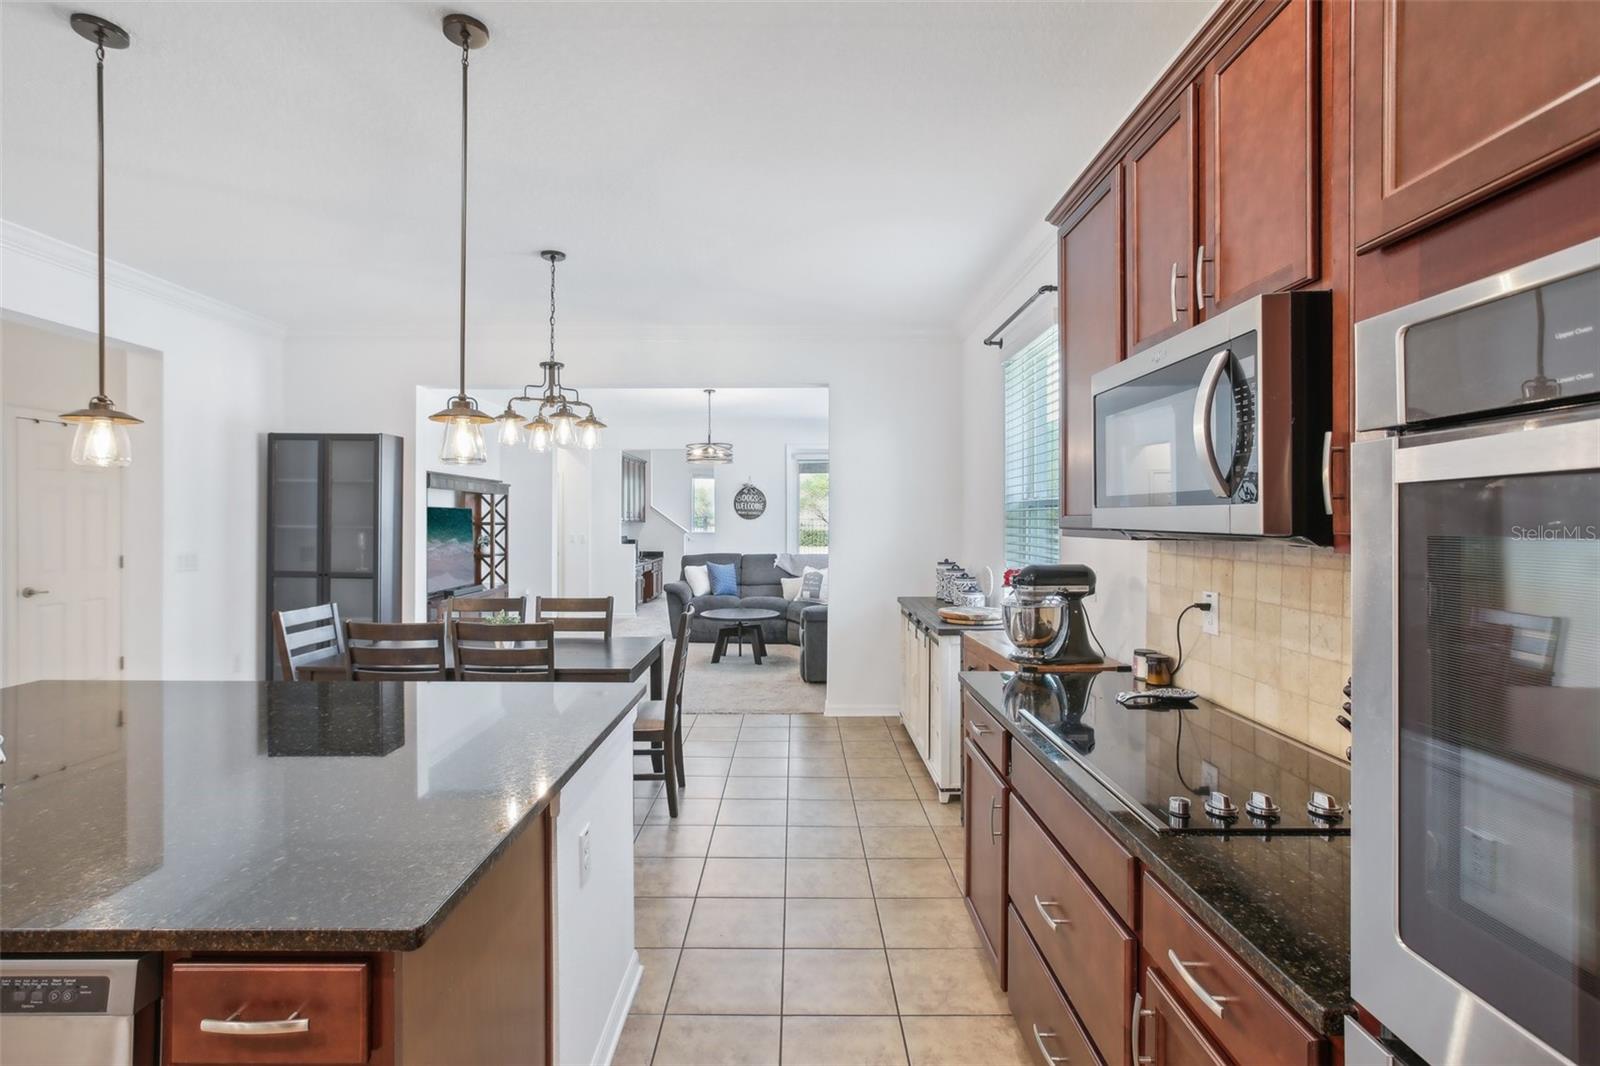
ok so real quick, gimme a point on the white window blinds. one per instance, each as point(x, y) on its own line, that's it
point(1033, 453)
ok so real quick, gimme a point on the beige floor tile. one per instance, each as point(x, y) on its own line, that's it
point(762, 749)
point(813, 727)
point(819, 788)
point(749, 842)
point(752, 812)
point(666, 877)
point(900, 842)
point(742, 877)
point(836, 1041)
point(828, 878)
point(688, 1040)
point(925, 787)
point(750, 767)
point(965, 1042)
point(711, 732)
point(764, 731)
point(926, 923)
point(883, 788)
point(716, 749)
point(831, 923)
point(659, 965)
point(690, 812)
point(822, 812)
point(659, 922)
point(944, 981)
point(702, 787)
point(952, 840)
point(817, 767)
point(728, 981)
point(756, 788)
point(890, 812)
point(824, 842)
point(641, 809)
point(637, 1044)
point(642, 789)
point(736, 923)
point(918, 878)
point(836, 981)
point(672, 841)
point(958, 867)
point(943, 814)
point(804, 747)
point(703, 766)
point(876, 767)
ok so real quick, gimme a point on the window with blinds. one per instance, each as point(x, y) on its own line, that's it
point(1033, 453)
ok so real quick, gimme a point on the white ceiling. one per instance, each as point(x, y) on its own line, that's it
point(867, 165)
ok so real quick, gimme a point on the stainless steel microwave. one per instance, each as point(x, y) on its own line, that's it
point(1223, 430)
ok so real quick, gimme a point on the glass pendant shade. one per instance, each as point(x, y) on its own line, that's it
point(708, 453)
point(101, 442)
point(565, 421)
point(540, 434)
point(463, 443)
point(589, 432)
point(510, 431)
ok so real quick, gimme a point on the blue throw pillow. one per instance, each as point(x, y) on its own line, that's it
point(724, 579)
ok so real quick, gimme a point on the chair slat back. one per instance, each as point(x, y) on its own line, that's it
point(475, 608)
point(306, 635)
point(395, 651)
point(680, 666)
point(479, 655)
point(576, 614)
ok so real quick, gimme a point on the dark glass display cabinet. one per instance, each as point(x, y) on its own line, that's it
point(333, 526)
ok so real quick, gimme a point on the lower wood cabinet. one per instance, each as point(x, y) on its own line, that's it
point(268, 1012)
point(1165, 1035)
point(1041, 1012)
point(983, 801)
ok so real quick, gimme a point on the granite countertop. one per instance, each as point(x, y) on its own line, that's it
point(925, 609)
point(244, 816)
point(1282, 903)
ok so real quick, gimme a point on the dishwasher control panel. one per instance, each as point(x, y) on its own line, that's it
point(53, 994)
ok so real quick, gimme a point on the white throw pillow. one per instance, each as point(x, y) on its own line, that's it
point(699, 580)
point(791, 587)
point(814, 585)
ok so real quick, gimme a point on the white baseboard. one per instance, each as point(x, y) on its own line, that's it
point(860, 710)
point(606, 1050)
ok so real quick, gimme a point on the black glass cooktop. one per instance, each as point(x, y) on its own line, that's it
point(1193, 768)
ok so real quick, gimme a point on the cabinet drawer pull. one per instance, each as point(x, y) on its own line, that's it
point(1039, 1037)
point(994, 834)
point(978, 730)
point(1212, 1003)
point(1041, 904)
point(231, 1026)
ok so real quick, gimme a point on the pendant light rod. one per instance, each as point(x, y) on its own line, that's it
point(100, 194)
point(466, 52)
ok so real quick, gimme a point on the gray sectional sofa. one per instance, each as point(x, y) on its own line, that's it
point(803, 623)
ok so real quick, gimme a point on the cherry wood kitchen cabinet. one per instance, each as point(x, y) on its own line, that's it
point(1522, 95)
point(1089, 268)
point(1159, 179)
point(983, 800)
point(1165, 1035)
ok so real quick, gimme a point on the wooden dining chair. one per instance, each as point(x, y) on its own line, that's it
point(660, 723)
point(395, 651)
point(307, 635)
point(476, 608)
point(481, 653)
point(576, 614)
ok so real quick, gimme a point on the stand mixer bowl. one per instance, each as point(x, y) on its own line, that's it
point(1035, 623)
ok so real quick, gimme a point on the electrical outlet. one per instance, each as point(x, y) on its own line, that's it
point(1211, 621)
point(187, 562)
point(585, 856)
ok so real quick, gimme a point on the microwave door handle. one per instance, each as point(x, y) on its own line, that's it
point(1203, 443)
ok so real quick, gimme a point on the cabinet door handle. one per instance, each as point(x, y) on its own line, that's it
point(1212, 1003)
point(1134, 1037)
point(1041, 904)
point(231, 1026)
point(1199, 285)
point(978, 730)
point(1173, 292)
point(1327, 472)
point(1039, 1037)
point(994, 834)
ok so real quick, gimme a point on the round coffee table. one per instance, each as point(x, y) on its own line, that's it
point(735, 620)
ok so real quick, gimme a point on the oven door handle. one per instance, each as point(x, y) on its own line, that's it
point(1204, 445)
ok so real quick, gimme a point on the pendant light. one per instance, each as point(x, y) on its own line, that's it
point(562, 419)
point(101, 438)
point(463, 421)
point(708, 452)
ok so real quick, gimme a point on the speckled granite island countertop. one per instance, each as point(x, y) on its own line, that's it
point(246, 816)
point(1281, 903)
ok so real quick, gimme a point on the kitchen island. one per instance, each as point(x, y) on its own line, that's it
point(413, 870)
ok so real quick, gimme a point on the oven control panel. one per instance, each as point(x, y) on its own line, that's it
point(53, 994)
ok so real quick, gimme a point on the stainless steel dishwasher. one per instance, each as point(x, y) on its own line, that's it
point(59, 1010)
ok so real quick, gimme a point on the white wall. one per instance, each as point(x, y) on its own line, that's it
point(531, 540)
point(221, 386)
point(895, 457)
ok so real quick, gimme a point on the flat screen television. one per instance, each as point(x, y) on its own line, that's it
point(450, 556)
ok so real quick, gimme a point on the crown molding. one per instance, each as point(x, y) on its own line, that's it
point(58, 253)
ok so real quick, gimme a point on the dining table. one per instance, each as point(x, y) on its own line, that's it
point(577, 658)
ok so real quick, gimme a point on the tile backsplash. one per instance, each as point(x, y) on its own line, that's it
point(1282, 652)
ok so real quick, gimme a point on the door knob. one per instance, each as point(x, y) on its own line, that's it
point(29, 592)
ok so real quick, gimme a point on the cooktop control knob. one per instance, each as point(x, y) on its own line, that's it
point(1324, 805)
point(1220, 805)
point(1261, 805)
point(1178, 806)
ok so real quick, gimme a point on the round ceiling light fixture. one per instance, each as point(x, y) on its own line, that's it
point(708, 452)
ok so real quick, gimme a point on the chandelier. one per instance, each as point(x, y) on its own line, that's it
point(562, 418)
point(708, 452)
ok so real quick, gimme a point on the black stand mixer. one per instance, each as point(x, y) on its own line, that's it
point(1045, 619)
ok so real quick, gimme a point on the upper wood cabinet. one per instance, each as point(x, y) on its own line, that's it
point(1454, 102)
point(1159, 182)
point(1259, 142)
point(1089, 268)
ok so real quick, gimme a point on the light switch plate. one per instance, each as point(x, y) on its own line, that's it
point(585, 856)
point(1211, 621)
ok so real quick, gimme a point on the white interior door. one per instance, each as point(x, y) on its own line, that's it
point(67, 580)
